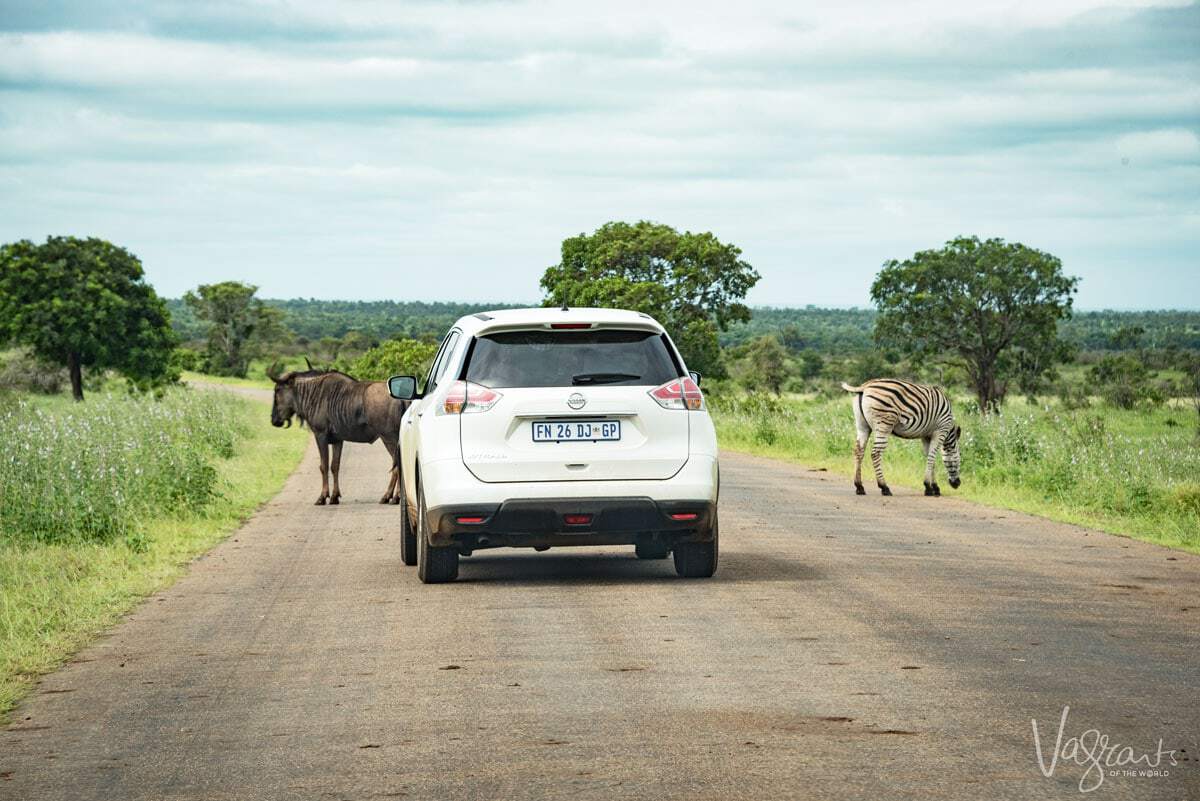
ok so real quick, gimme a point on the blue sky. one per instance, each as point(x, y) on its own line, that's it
point(440, 150)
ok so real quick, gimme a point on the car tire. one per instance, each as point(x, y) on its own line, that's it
point(698, 559)
point(651, 550)
point(408, 537)
point(434, 565)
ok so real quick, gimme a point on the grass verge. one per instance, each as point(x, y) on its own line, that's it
point(1133, 473)
point(56, 596)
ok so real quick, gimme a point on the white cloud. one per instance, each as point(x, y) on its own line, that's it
point(444, 150)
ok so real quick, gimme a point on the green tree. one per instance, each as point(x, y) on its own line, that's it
point(1124, 381)
point(812, 364)
point(84, 303)
point(394, 357)
point(989, 306)
point(766, 363)
point(692, 282)
point(240, 325)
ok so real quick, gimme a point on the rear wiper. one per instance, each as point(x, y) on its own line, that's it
point(602, 378)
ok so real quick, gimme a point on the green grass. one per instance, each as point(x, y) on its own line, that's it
point(57, 591)
point(1135, 473)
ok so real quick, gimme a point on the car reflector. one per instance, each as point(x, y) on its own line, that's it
point(679, 393)
point(684, 516)
point(470, 520)
point(465, 397)
point(577, 520)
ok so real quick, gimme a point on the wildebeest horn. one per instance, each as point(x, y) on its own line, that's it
point(273, 371)
point(306, 361)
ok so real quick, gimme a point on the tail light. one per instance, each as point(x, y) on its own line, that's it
point(679, 393)
point(464, 397)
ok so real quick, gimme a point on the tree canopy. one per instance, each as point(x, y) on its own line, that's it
point(990, 306)
point(692, 282)
point(84, 303)
point(239, 324)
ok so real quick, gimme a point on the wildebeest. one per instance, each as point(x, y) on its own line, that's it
point(911, 411)
point(338, 408)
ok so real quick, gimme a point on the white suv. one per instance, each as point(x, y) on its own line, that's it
point(549, 427)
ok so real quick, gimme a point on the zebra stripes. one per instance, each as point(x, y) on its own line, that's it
point(888, 406)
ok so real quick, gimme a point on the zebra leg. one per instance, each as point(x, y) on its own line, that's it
point(323, 451)
point(881, 438)
point(932, 445)
point(929, 484)
point(860, 447)
point(336, 466)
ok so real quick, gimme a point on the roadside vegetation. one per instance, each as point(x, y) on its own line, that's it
point(105, 502)
point(1134, 472)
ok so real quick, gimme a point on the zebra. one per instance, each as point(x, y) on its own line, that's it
point(911, 411)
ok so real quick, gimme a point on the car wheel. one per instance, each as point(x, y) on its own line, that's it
point(408, 537)
point(698, 559)
point(651, 550)
point(434, 565)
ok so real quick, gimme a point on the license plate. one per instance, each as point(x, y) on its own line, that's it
point(593, 431)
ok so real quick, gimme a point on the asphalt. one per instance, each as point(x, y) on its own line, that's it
point(847, 648)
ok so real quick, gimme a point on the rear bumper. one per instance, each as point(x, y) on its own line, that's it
point(538, 522)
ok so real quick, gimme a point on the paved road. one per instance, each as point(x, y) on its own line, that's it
point(848, 648)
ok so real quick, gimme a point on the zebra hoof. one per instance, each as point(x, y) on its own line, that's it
point(384, 499)
point(885, 489)
point(929, 493)
point(395, 501)
point(859, 489)
point(937, 491)
point(335, 500)
point(320, 501)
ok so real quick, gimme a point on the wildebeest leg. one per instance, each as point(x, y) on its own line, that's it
point(336, 465)
point(323, 451)
point(881, 437)
point(392, 493)
point(860, 447)
point(931, 448)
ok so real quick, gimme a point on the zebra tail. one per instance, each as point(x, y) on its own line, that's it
point(849, 388)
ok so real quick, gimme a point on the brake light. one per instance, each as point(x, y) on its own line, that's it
point(569, 326)
point(464, 397)
point(577, 520)
point(679, 393)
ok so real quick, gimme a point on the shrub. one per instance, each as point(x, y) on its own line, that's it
point(21, 371)
point(394, 357)
point(1073, 395)
point(1124, 381)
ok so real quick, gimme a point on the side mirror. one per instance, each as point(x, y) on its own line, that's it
point(695, 376)
point(403, 387)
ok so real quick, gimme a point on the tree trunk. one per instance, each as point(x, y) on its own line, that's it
point(985, 390)
point(76, 376)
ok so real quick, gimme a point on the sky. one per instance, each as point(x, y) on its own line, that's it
point(443, 150)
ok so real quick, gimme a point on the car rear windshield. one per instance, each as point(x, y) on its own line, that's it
point(571, 359)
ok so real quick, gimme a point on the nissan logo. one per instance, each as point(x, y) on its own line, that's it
point(576, 401)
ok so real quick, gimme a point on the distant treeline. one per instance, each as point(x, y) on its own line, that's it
point(810, 328)
point(314, 320)
point(840, 330)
